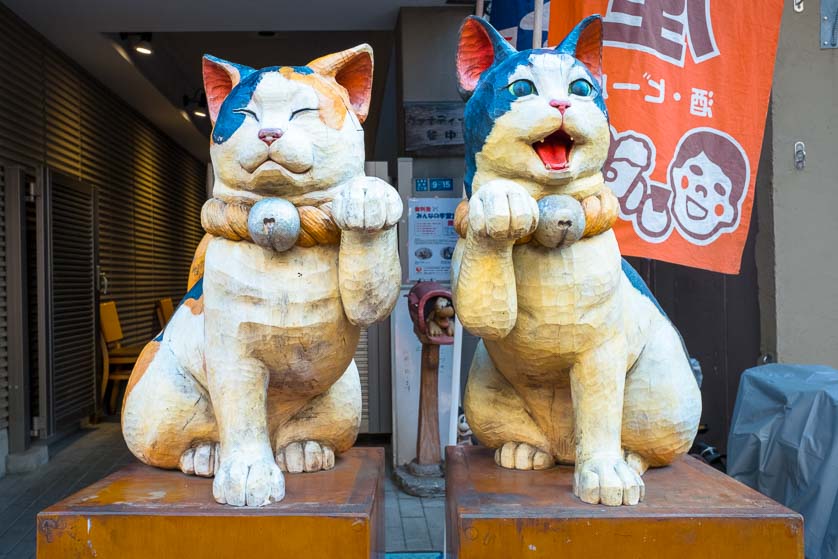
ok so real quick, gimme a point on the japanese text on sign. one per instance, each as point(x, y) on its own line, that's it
point(686, 84)
point(431, 238)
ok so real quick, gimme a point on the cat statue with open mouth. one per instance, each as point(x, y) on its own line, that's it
point(578, 364)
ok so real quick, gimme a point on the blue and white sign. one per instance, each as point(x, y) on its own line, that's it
point(441, 184)
point(514, 20)
point(430, 238)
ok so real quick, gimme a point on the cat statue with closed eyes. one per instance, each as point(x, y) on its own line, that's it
point(254, 374)
point(577, 364)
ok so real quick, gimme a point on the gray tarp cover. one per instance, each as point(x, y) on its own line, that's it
point(784, 443)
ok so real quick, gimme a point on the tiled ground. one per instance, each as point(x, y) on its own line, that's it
point(412, 524)
point(79, 461)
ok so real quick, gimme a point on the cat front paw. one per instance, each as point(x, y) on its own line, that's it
point(305, 456)
point(502, 210)
point(610, 481)
point(522, 456)
point(366, 204)
point(201, 460)
point(248, 477)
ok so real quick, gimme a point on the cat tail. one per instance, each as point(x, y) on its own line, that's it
point(196, 271)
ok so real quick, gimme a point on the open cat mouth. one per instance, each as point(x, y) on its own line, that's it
point(554, 150)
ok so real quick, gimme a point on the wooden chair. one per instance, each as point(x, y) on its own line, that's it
point(165, 309)
point(117, 361)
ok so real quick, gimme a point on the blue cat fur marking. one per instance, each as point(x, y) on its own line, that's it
point(637, 282)
point(228, 120)
point(195, 293)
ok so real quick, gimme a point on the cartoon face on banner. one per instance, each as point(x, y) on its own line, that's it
point(702, 199)
point(708, 178)
point(687, 84)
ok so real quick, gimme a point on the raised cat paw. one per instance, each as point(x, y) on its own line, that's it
point(366, 204)
point(610, 481)
point(305, 456)
point(502, 210)
point(521, 456)
point(201, 459)
point(248, 477)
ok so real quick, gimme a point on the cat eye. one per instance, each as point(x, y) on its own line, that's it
point(521, 88)
point(299, 111)
point(246, 112)
point(581, 87)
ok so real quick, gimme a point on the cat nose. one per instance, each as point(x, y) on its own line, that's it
point(561, 105)
point(270, 135)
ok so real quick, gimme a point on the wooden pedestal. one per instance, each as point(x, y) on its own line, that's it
point(143, 512)
point(690, 511)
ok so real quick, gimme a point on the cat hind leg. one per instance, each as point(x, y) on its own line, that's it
point(662, 404)
point(324, 427)
point(499, 419)
point(167, 417)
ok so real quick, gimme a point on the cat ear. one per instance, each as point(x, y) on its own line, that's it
point(480, 46)
point(352, 70)
point(220, 77)
point(585, 44)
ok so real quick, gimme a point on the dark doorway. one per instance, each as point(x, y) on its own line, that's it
point(70, 302)
point(21, 251)
point(718, 316)
point(33, 239)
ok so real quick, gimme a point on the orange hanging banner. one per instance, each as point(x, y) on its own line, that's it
point(687, 86)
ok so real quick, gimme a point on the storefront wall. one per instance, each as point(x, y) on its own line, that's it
point(800, 298)
point(57, 120)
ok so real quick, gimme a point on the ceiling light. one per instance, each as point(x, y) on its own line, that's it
point(196, 104)
point(140, 42)
point(143, 46)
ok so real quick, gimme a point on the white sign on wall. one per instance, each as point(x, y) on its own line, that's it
point(431, 238)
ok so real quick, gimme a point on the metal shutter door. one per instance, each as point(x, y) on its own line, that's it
point(362, 360)
point(4, 362)
point(72, 299)
point(22, 91)
point(32, 303)
point(149, 189)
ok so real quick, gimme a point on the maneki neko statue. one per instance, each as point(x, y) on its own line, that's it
point(254, 374)
point(578, 364)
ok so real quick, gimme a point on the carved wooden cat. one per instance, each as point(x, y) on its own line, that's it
point(578, 363)
point(254, 373)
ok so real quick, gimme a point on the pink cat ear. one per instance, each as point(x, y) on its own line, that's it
point(352, 70)
point(585, 43)
point(220, 77)
point(480, 46)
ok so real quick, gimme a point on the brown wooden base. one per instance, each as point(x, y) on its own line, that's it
point(143, 512)
point(690, 511)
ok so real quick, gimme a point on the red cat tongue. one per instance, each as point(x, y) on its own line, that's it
point(554, 151)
